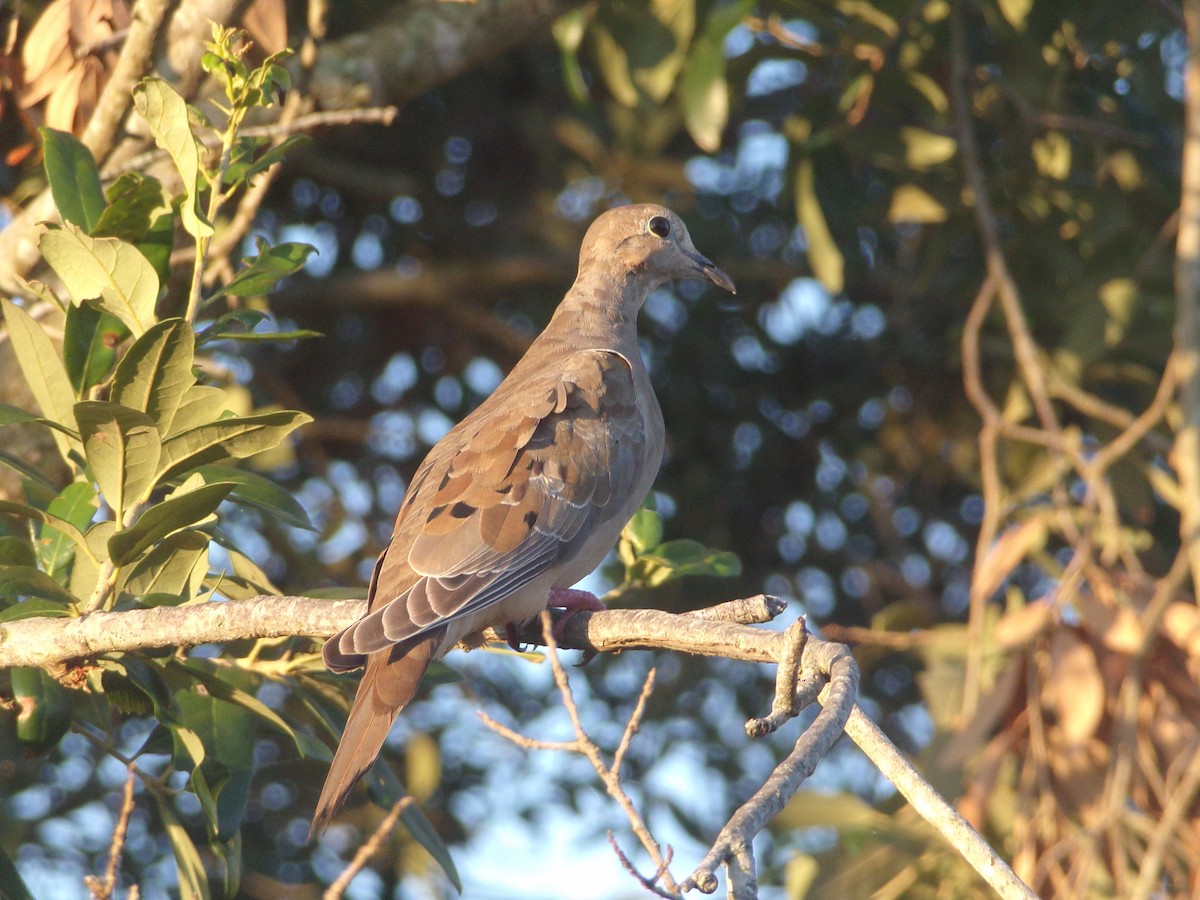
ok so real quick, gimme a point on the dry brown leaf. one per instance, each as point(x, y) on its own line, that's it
point(1080, 771)
point(1019, 627)
point(1006, 554)
point(266, 23)
point(1074, 687)
point(64, 100)
point(1117, 627)
point(1181, 625)
point(47, 53)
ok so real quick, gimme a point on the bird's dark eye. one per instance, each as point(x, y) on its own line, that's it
point(660, 226)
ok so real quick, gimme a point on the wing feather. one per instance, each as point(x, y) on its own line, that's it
point(519, 490)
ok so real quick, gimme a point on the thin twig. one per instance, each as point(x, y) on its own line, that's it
point(368, 849)
point(1186, 454)
point(103, 889)
point(1178, 803)
point(787, 678)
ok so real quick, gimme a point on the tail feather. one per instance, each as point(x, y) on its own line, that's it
point(386, 687)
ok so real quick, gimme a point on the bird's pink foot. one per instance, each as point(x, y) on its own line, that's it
point(573, 601)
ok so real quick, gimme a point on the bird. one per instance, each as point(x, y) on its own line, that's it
point(527, 494)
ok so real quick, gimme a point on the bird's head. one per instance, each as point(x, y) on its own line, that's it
point(650, 242)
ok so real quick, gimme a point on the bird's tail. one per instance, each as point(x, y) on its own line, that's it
point(386, 686)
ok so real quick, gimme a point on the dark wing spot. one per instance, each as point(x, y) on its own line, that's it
point(462, 510)
point(434, 513)
point(531, 518)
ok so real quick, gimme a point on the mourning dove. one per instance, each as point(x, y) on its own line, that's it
point(526, 495)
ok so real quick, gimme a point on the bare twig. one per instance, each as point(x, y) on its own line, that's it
point(610, 774)
point(933, 808)
point(1179, 801)
point(102, 889)
point(787, 679)
point(1186, 454)
point(733, 845)
point(369, 848)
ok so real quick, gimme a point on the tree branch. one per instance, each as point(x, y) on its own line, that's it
point(47, 642)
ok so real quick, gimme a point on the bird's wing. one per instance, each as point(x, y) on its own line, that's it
point(518, 493)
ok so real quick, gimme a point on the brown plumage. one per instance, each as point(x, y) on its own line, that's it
point(528, 492)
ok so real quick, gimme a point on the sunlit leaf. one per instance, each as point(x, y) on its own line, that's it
point(156, 372)
point(255, 490)
point(641, 48)
point(135, 203)
point(201, 405)
point(123, 451)
point(174, 568)
point(263, 272)
point(823, 253)
point(925, 149)
point(912, 204)
point(167, 115)
point(1052, 155)
point(1015, 11)
point(702, 87)
point(43, 370)
point(112, 274)
point(193, 880)
point(163, 518)
point(237, 438)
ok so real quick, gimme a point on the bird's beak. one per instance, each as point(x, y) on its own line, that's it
point(708, 269)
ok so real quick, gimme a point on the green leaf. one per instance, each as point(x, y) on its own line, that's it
point(14, 415)
point(43, 370)
point(703, 90)
point(148, 678)
point(252, 489)
point(174, 569)
point(645, 530)
point(201, 405)
point(12, 886)
point(90, 340)
point(123, 451)
point(16, 552)
point(171, 515)
point(34, 609)
point(167, 115)
point(156, 373)
point(674, 559)
point(77, 505)
point(263, 272)
point(86, 569)
point(111, 273)
point(216, 680)
point(158, 245)
point(193, 880)
point(38, 515)
point(28, 472)
point(642, 47)
point(29, 581)
point(44, 710)
point(74, 178)
point(239, 325)
point(136, 202)
point(237, 437)
point(824, 257)
point(227, 732)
